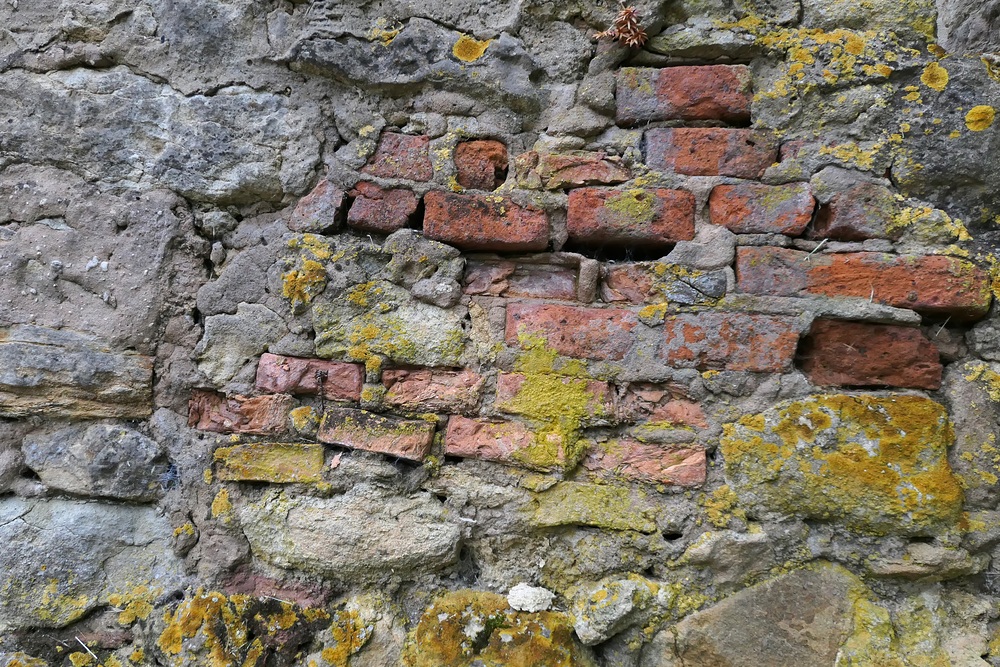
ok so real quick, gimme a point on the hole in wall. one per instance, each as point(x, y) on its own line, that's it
point(617, 253)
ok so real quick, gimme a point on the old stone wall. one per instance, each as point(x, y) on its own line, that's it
point(445, 333)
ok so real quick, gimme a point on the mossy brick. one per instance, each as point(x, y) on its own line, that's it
point(864, 355)
point(875, 464)
point(518, 279)
point(754, 208)
point(432, 390)
point(606, 216)
point(335, 380)
point(730, 341)
point(273, 462)
point(358, 429)
point(481, 164)
point(519, 394)
point(710, 151)
point(555, 171)
point(699, 92)
point(929, 284)
point(509, 442)
point(401, 156)
point(588, 333)
point(670, 465)
point(317, 211)
point(597, 505)
point(864, 211)
point(484, 222)
point(380, 210)
point(258, 415)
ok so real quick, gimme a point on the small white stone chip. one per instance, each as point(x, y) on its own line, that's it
point(529, 598)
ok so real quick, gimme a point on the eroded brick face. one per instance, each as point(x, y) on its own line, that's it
point(293, 375)
point(711, 92)
point(259, 415)
point(656, 217)
point(754, 208)
point(380, 210)
point(484, 222)
point(670, 465)
point(588, 333)
point(481, 164)
point(864, 211)
point(730, 341)
point(432, 390)
point(401, 156)
point(359, 429)
point(710, 151)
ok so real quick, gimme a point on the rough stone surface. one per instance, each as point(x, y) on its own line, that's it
point(233, 341)
point(317, 211)
point(865, 211)
point(481, 164)
point(529, 598)
point(380, 210)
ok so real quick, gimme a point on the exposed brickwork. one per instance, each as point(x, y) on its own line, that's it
point(671, 465)
point(589, 333)
point(753, 208)
point(276, 463)
point(931, 284)
point(501, 441)
point(317, 211)
point(652, 217)
point(359, 429)
point(380, 210)
point(484, 222)
point(710, 151)
point(260, 415)
point(293, 375)
point(708, 92)
point(428, 390)
point(659, 282)
point(481, 164)
point(600, 404)
point(730, 341)
point(863, 354)
point(553, 171)
point(510, 279)
point(648, 402)
point(401, 156)
point(865, 211)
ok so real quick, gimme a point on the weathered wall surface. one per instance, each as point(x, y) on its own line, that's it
point(442, 333)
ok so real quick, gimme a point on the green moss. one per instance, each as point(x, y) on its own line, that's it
point(635, 206)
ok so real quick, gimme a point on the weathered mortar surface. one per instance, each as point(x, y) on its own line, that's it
point(236, 428)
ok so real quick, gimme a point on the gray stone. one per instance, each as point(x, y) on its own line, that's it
point(912, 21)
point(830, 181)
point(713, 247)
point(362, 535)
point(63, 558)
point(840, 308)
point(701, 37)
point(968, 26)
point(728, 557)
point(232, 341)
point(523, 597)
point(103, 460)
point(929, 562)
point(66, 374)
point(984, 340)
point(243, 280)
point(773, 11)
point(603, 611)
point(216, 224)
point(971, 390)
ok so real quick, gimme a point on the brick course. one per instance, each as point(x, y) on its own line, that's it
point(730, 341)
point(710, 151)
point(659, 217)
point(706, 92)
point(484, 222)
point(589, 333)
point(753, 208)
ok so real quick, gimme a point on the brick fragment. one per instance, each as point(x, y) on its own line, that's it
point(929, 284)
point(339, 381)
point(401, 156)
point(484, 222)
point(380, 210)
point(753, 208)
point(589, 333)
point(647, 402)
point(430, 390)
point(865, 211)
point(554, 171)
point(730, 341)
point(600, 396)
point(511, 279)
point(260, 415)
point(863, 354)
point(651, 217)
point(503, 442)
point(273, 462)
point(358, 429)
point(481, 164)
point(699, 92)
point(710, 151)
point(671, 465)
point(317, 211)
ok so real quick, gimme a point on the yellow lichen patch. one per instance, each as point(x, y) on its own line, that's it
point(721, 506)
point(136, 604)
point(222, 508)
point(59, 607)
point(876, 464)
point(304, 418)
point(212, 617)
point(383, 32)
point(301, 285)
point(277, 463)
point(635, 206)
point(934, 77)
point(928, 225)
point(980, 117)
point(80, 659)
point(988, 378)
point(468, 49)
point(349, 634)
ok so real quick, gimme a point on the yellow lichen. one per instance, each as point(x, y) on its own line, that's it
point(980, 117)
point(722, 505)
point(934, 77)
point(222, 508)
point(633, 207)
point(469, 49)
point(383, 31)
point(301, 285)
point(136, 604)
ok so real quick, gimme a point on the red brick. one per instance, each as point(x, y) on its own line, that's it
point(600, 404)
point(651, 217)
point(261, 415)
point(862, 354)
point(358, 429)
point(569, 170)
point(865, 211)
point(428, 390)
point(484, 222)
point(930, 284)
point(589, 333)
point(380, 210)
point(672, 465)
point(730, 341)
point(710, 151)
point(753, 208)
point(294, 375)
point(658, 282)
point(317, 211)
point(503, 442)
point(272, 462)
point(481, 164)
point(510, 279)
point(700, 92)
point(401, 156)
point(646, 402)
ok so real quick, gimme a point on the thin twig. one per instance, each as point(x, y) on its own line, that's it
point(87, 649)
point(943, 325)
point(815, 250)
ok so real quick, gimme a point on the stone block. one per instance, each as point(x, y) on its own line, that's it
point(699, 92)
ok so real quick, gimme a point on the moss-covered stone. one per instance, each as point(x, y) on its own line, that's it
point(608, 507)
point(473, 628)
point(276, 462)
point(876, 464)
